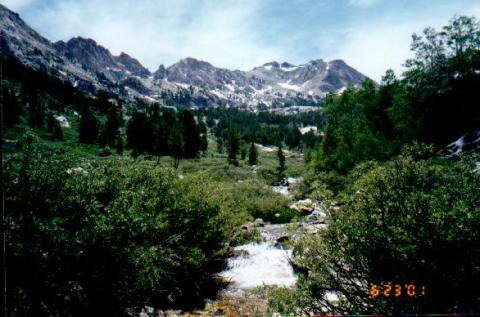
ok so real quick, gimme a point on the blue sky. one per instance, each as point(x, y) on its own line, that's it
point(370, 35)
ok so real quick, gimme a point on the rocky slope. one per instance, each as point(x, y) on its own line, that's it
point(189, 82)
point(98, 60)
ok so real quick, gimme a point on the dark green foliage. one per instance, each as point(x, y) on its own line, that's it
point(243, 152)
point(265, 128)
point(220, 145)
point(88, 128)
point(162, 122)
point(407, 221)
point(177, 143)
point(139, 133)
point(281, 163)
point(202, 128)
point(192, 136)
point(50, 121)
point(355, 130)
point(161, 132)
point(36, 110)
point(434, 103)
point(57, 132)
point(95, 239)
point(274, 214)
point(203, 143)
point(113, 124)
point(252, 155)
point(412, 219)
point(103, 138)
point(233, 145)
point(419, 107)
point(119, 146)
point(12, 107)
point(210, 122)
point(293, 138)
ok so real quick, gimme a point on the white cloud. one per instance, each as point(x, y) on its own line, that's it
point(363, 3)
point(231, 34)
point(17, 5)
point(378, 45)
point(372, 50)
point(222, 33)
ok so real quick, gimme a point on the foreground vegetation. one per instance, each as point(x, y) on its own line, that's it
point(121, 208)
point(404, 213)
point(102, 234)
point(133, 204)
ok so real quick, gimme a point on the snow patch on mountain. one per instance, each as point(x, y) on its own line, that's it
point(290, 87)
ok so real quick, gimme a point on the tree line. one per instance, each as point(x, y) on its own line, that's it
point(264, 128)
point(404, 212)
point(435, 101)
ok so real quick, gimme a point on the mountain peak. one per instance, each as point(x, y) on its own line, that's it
point(132, 65)
point(337, 62)
point(83, 62)
point(286, 65)
point(317, 62)
point(160, 73)
point(273, 64)
point(81, 40)
point(191, 60)
point(124, 55)
point(98, 59)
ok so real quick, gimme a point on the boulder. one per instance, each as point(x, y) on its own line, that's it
point(281, 239)
point(240, 253)
point(253, 224)
point(303, 207)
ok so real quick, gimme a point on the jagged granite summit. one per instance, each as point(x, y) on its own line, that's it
point(90, 66)
point(97, 59)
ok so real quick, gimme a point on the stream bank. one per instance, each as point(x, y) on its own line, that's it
point(256, 264)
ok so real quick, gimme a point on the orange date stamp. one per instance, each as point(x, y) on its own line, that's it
point(390, 290)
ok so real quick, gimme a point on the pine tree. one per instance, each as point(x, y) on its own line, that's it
point(233, 145)
point(119, 146)
point(114, 122)
point(204, 143)
point(253, 155)
point(50, 122)
point(139, 133)
point(192, 137)
point(13, 109)
point(293, 137)
point(210, 122)
point(177, 143)
point(36, 110)
point(57, 133)
point(103, 138)
point(202, 128)
point(88, 127)
point(162, 122)
point(281, 163)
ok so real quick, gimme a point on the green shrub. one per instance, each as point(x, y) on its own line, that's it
point(109, 233)
point(406, 221)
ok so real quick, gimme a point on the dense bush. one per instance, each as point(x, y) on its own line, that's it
point(256, 200)
point(411, 220)
point(94, 238)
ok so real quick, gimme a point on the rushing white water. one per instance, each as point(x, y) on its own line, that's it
point(261, 264)
point(281, 190)
point(258, 264)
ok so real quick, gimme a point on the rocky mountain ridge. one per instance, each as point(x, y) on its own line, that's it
point(90, 66)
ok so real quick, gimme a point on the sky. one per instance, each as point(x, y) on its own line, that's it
point(370, 35)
